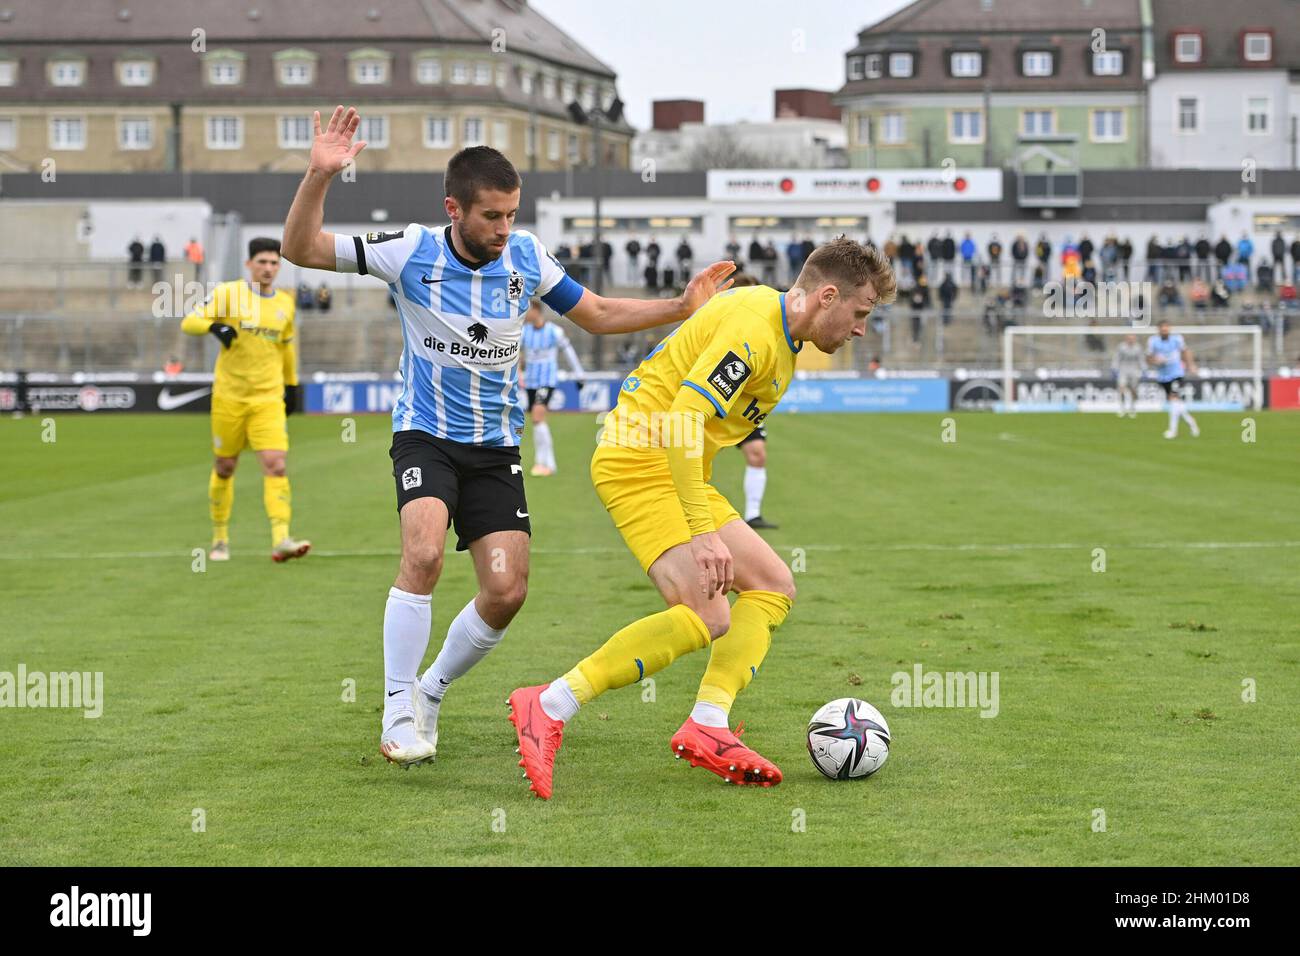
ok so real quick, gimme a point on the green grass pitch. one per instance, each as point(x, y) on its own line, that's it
point(1120, 691)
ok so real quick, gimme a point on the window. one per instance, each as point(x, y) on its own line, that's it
point(1187, 48)
point(526, 83)
point(428, 70)
point(871, 65)
point(1258, 47)
point(68, 73)
point(864, 129)
point(8, 72)
point(503, 76)
point(8, 133)
point(135, 72)
point(501, 135)
point(459, 73)
point(1108, 63)
point(295, 73)
point(567, 91)
point(530, 140)
point(472, 132)
point(573, 147)
point(135, 132)
point(1036, 63)
point(548, 86)
point(437, 132)
point(966, 64)
point(67, 132)
point(1186, 114)
point(370, 72)
point(892, 129)
point(295, 132)
point(483, 74)
point(855, 68)
point(225, 132)
point(1037, 122)
point(553, 146)
point(374, 131)
point(1107, 126)
point(900, 64)
point(588, 97)
point(1258, 109)
point(965, 126)
point(223, 72)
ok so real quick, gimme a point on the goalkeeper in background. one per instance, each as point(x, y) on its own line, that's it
point(254, 387)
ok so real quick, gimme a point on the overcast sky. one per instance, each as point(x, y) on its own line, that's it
point(730, 53)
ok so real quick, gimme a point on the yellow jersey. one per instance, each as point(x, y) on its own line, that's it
point(736, 351)
point(262, 359)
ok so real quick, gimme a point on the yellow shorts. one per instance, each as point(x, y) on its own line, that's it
point(638, 492)
point(259, 425)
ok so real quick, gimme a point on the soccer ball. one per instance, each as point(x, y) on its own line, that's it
point(847, 739)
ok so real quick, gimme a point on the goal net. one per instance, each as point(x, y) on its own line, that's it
point(1072, 368)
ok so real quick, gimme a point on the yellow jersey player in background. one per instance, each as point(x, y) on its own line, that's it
point(254, 387)
point(706, 386)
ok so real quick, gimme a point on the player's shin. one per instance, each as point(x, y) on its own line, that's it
point(755, 485)
point(275, 496)
point(406, 637)
point(221, 496)
point(468, 641)
point(736, 655)
point(635, 652)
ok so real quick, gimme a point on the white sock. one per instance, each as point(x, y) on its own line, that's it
point(550, 454)
point(755, 484)
point(558, 701)
point(708, 715)
point(1187, 416)
point(468, 640)
point(1175, 409)
point(542, 440)
point(406, 637)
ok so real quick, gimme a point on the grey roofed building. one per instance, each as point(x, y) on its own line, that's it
point(1222, 27)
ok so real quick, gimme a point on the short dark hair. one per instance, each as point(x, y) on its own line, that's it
point(848, 263)
point(263, 244)
point(479, 167)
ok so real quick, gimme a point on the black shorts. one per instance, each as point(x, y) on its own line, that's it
point(1171, 385)
point(483, 488)
point(758, 434)
point(539, 396)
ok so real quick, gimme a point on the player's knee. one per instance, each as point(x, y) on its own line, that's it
point(716, 616)
point(224, 467)
point(275, 468)
point(507, 597)
point(783, 583)
point(424, 562)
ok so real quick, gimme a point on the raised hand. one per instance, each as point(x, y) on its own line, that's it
point(333, 147)
point(706, 283)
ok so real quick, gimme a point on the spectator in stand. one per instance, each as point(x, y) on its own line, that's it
point(755, 255)
point(157, 257)
point(652, 254)
point(906, 256)
point(1071, 264)
point(685, 255)
point(1220, 294)
point(1245, 251)
point(1043, 250)
point(1019, 258)
point(306, 301)
point(920, 301)
point(1088, 273)
point(947, 296)
point(1200, 292)
point(995, 258)
point(1125, 256)
point(1222, 252)
point(1235, 276)
point(770, 256)
point(935, 249)
point(324, 298)
point(873, 366)
point(173, 367)
point(1183, 253)
point(1279, 254)
point(586, 262)
point(1040, 276)
point(794, 257)
point(891, 252)
point(807, 250)
point(135, 274)
point(606, 257)
point(1086, 248)
point(1169, 292)
point(968, 258)
point(948, 252)
point(1155, 253)
point(1203, 268)
point(1295, 261)
point(733, 252)
point(1264, 278)
point(633, 250)
point(194, 255)
point(1109, 258)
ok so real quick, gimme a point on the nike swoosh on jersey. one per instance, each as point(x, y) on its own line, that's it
point(427, 281)
point(167, 401)
point(520, 514)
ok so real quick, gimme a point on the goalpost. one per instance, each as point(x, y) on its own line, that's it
point(1048, 352)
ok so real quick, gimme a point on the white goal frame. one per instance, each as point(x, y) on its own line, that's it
point(1009, 333)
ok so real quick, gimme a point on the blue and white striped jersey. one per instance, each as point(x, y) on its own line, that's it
point(461, 326)
point(1170, 353)
point(542, 348)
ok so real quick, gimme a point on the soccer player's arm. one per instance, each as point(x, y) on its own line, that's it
point(570, 355)
point(289, 354)
point(712, 387)
point(379, 254)
point(210, 318)
point(601, 316)
point(304, 243)
point(1189, 360)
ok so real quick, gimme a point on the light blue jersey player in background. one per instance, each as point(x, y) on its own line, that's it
point(542, 344)
point(1172, 359)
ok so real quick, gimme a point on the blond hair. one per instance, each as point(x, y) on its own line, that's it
point(849, 264)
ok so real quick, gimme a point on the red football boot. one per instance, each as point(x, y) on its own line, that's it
point(540, 737)
point(719, 750)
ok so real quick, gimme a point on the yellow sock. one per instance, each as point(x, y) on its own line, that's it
point(275, 495)
point(221, 496)
point(638, 650)
point(735, 656)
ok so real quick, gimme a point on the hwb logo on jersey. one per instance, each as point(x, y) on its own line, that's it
point(729, 375)
point(411, 478)
point(515, 286)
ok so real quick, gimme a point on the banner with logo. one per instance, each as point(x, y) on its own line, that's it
point(953, 184)
point(108, 397)
point(866, 395)
point(1101, 395)
point(349, 398)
